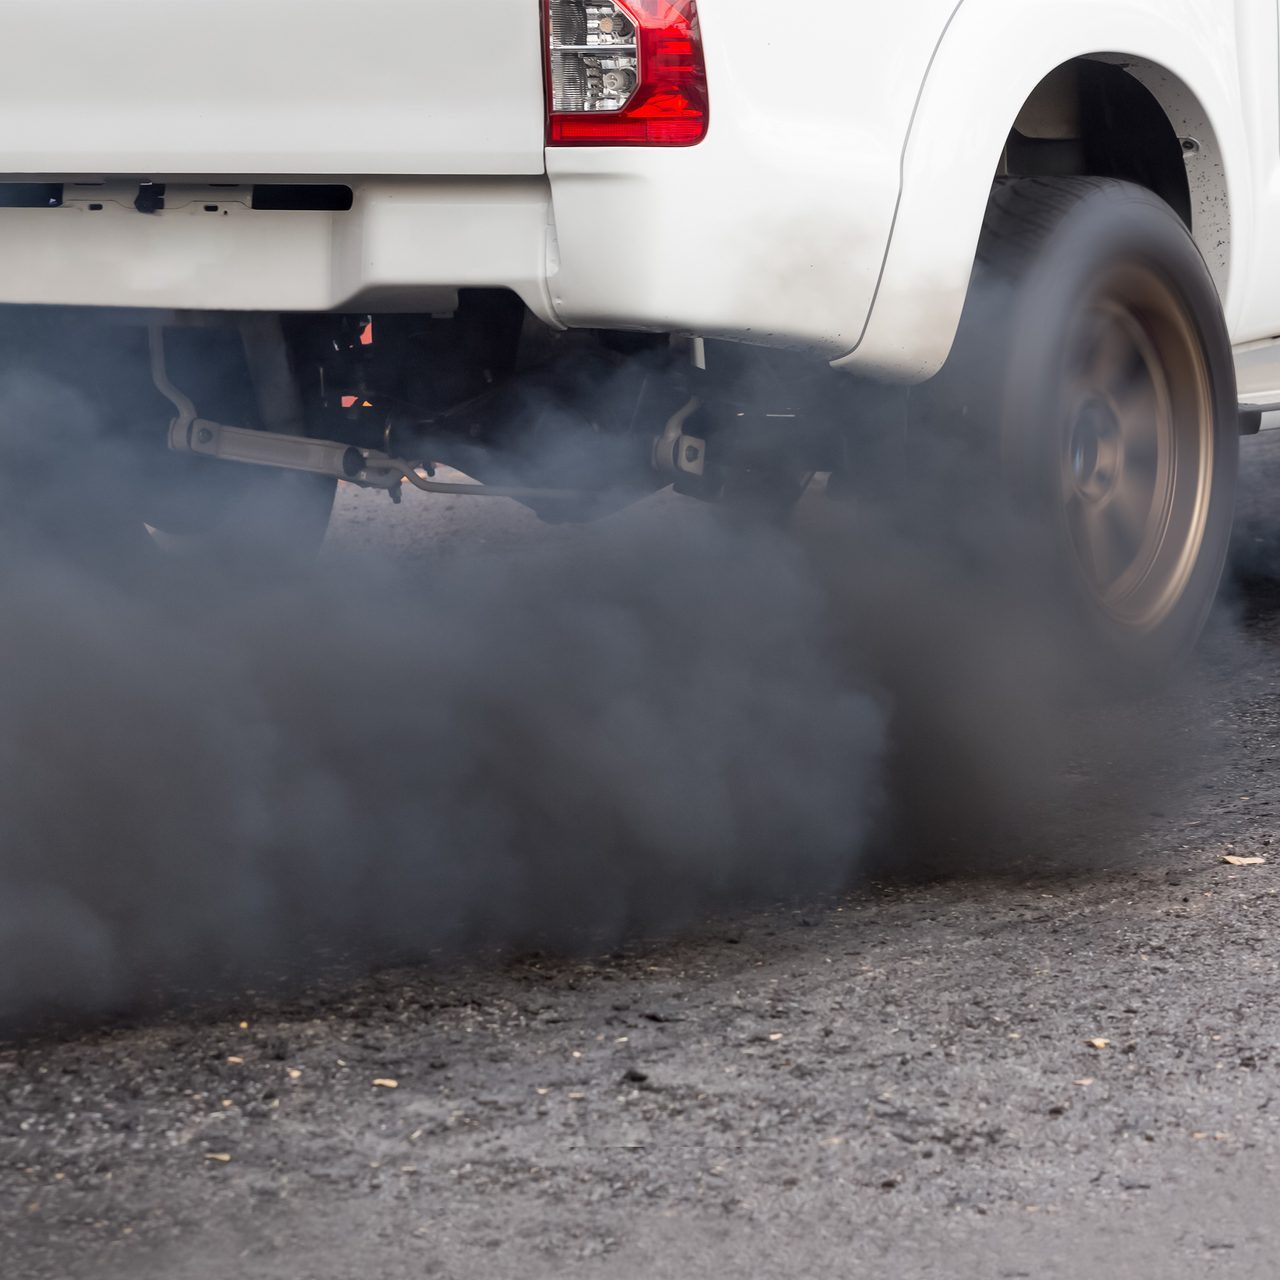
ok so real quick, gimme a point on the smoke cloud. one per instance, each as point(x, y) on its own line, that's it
point(207, 776)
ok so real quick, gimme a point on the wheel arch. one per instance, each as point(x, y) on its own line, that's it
point(1114, 116)
point(1206, 166)
point(996, 57)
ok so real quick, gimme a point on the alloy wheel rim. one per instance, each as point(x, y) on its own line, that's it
point(1136, 447)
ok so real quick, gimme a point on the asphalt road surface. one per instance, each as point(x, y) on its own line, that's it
point(1059, 1066)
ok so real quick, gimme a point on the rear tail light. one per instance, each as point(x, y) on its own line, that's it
point(625, 73)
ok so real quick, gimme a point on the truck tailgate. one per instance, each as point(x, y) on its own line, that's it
point(271, 87)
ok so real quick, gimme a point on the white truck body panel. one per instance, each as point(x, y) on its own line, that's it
point(835, 204)
point(775, 227)
point(994, 54)
point(271, 87)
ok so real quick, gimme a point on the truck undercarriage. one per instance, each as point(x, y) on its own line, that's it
point(573, 424)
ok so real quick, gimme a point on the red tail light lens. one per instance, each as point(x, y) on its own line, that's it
point(625, 73)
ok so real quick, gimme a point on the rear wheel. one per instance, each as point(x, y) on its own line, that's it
point(1093, 356)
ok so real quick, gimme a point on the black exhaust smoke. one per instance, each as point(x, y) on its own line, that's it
point(208, 777)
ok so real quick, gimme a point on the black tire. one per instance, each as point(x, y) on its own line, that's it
point(1093, 358)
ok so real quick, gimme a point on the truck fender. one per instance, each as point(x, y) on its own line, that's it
point(992, 57)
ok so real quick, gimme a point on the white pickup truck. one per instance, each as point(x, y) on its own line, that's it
point(584, 246)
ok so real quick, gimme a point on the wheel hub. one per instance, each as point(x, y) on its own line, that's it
point(1096, 450)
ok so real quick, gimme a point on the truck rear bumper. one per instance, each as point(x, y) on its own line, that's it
point(405, 245)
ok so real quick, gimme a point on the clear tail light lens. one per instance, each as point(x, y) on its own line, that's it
point(625, 73)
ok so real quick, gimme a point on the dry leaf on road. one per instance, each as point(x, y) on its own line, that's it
point(1235, 860)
